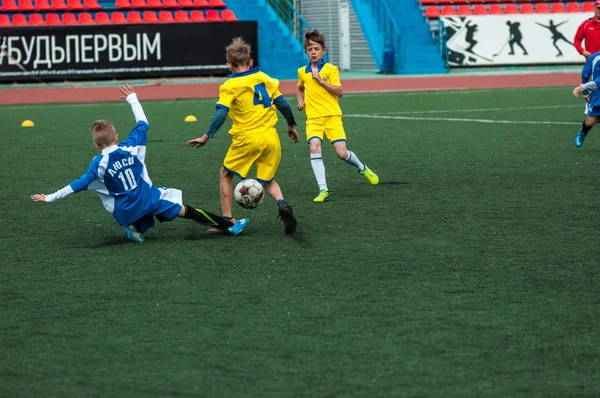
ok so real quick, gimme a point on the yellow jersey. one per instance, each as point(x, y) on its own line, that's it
point(317, 100)
point(248, 96)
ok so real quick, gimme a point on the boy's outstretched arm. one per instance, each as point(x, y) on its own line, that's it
point(217, 122)
point(75, 186)
point(129, 95)
point(283, 106)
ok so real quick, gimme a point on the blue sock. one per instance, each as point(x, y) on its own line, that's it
point(280, 202)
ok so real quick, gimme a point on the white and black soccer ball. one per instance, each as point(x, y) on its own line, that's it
point(249, 193)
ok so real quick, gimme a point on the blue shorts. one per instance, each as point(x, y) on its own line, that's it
point(168, 207)
point(592, 110)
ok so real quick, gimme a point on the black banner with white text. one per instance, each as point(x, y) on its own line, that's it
point(88, 52)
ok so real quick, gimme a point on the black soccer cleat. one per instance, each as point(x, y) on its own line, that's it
point(287, 216)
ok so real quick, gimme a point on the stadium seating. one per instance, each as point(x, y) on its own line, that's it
point(4, 20)
point(496, 9)
point(542, 8)
point(91, 5)
point(182, 16)
point(186, 3)
point(9, 6)
point(155, 4)
point(58, 5)
point(53, 19)
point(118, 17)
point(74, 5)
point(166, 16)
point(197, 16)
point(228, 16)
point(102, 18)
point(213, 16)
point(139, 4)
point(201, 3)
point(123, 4)
point(588, 7)
point(170, 4)
point(85, 18)
point(511, 9)
point(448, 10)
point(464, 9)
point(19, 20)
point(217, 4)
point(68, 18)
point(150, 17)
point(36, 19)
point(42, 5)
point(526, 8)
point(573, 7)
point(432, 12)
point(26, 5)
point(479, 9)
point(134, 17)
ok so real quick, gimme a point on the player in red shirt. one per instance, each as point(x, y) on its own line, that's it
point(589, 31)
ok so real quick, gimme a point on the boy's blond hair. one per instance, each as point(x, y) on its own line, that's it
point(238, 53)
point(103, 133)
point(314, 36)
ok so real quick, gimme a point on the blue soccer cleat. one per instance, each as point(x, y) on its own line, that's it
point(238, 227)
point(132, 234)
point(580, 138)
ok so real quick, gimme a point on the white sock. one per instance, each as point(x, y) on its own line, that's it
point(316, 161)
point(354, 161)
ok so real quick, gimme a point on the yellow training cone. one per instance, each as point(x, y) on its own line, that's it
point(190, 119)
point(27, 123)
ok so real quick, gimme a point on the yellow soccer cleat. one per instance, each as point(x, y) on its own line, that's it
point(323, 196)
point(370, 176)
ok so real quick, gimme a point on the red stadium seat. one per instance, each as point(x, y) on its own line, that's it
point(19, 20)
point(53, 19)
point(213, 16)
point(201, 3)
point(155, 4)
point(165, 16)
point(217, 4)
point(588, 7)
point(557, 7)
point(432, 12)
point(74, 5)
point(26, 5)
point(448, 10)
point(4, 20)
point(479, 9)
point(102, 18)
point(85, 18)
point(42, 5)
point(573, 7)
point(134, 17)
point(36, 19)
point(185, 3)
point(229, 16)
point(91, 5)
point(139, 4)
point(464, 9)
point(123, 4)
point(526, 8)
point(170, 4)
point(118, 17)
point(68, 18)
point(58, 5)
point(150, 16)
point(197, 16)
point(542, 8)
point(9, 5)
point(496, 9)
point(511, 9)
point(182, 16)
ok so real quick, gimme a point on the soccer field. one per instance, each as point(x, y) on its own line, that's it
point(471, 270)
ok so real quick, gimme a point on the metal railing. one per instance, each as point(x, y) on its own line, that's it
point(389, 31)
point(291, 17)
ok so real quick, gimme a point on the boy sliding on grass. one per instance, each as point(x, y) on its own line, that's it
point(319, 85)
point(250, 98)
point(590, 80)
point(120, 178)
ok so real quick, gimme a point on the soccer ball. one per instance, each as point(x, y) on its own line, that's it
point(249, 193)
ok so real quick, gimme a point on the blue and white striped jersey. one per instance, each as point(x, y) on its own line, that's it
point(119, 175)
point(590, 78)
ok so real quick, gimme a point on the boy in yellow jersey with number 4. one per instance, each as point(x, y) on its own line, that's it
point(251, 98)
point(319, 89)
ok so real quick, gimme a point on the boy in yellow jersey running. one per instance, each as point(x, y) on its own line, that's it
point(250, 98)
point(319, 89)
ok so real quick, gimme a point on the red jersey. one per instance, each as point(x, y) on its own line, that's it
point(589, 31)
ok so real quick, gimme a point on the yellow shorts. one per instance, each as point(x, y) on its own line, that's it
point(328, 126)
point(262, 149)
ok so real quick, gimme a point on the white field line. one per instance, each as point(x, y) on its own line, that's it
point(450, 119)
point(488, 109)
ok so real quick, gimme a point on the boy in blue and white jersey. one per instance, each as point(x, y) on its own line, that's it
point(590, 81)
point(120, 177)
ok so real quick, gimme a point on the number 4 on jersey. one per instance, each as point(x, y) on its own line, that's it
point(261, 96)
